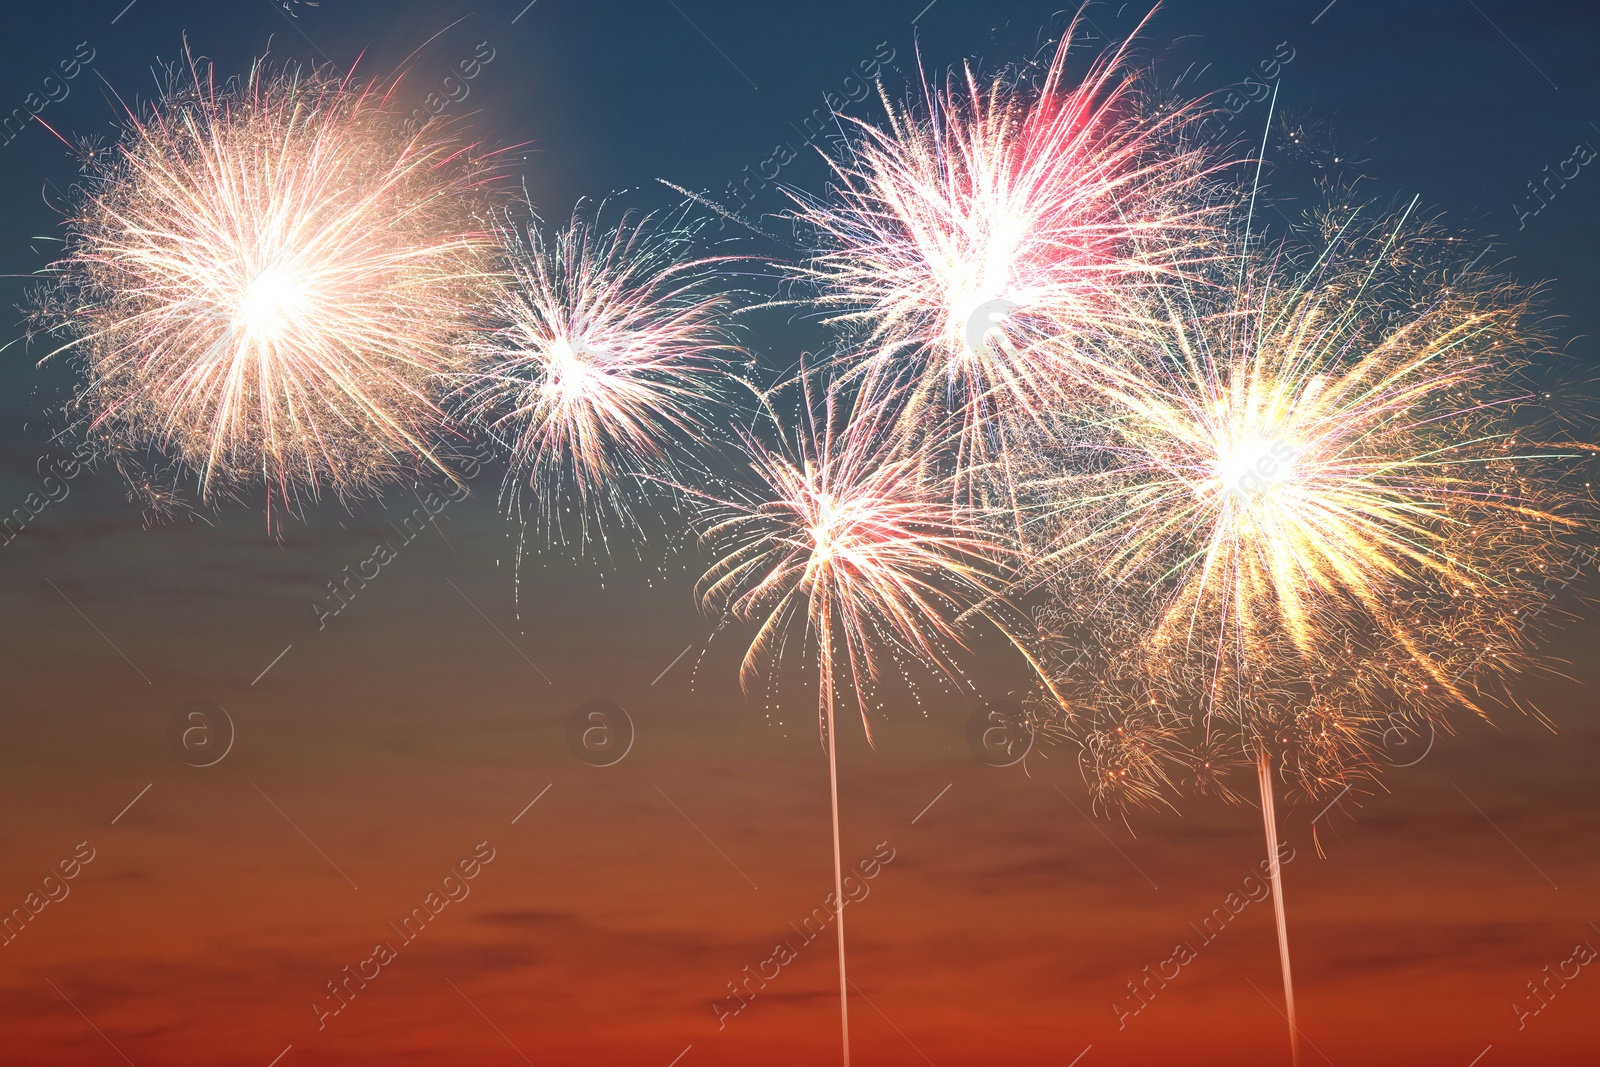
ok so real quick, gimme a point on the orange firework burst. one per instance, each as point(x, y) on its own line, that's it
point(605, 347)
point(265, 281)
point(839, 532)
point(967, 231)
point(1309, 500)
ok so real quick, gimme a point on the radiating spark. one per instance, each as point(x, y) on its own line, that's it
point(839, 532)
point(1305, 512)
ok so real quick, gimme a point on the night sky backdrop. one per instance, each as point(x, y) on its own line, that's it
point(405, 739)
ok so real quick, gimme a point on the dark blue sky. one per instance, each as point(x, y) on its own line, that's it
point(1461, 102)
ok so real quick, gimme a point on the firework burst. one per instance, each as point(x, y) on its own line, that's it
point(840, 531)
point(265, 280)
point(968, 230)
point(839, 535)
point(1309, 496)
point(606, 347)
point(1271, 470)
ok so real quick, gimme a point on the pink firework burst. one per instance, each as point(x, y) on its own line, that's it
point(841, 531)
point(965, 233)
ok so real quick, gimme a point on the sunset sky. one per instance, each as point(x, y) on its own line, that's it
point(426, 723)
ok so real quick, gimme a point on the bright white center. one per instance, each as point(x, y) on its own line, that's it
point(822, 530)
point(271, 302)
point(572, 369)
point(978, 317)
point(1254, 467)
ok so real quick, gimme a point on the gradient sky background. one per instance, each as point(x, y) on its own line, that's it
point(377, 752)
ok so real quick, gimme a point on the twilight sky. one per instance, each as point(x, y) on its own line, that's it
point(379, 757)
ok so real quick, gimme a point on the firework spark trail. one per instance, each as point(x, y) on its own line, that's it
point(1269, 818)
point(1310, 501)
point(974, 227)
point(835, 528)
point(606, 345)
point(264, 280)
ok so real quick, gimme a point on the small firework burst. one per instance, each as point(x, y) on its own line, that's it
point(265, 280)
point(606, 346)
point(838, 534)
point(1300, 137)
point(90, 151)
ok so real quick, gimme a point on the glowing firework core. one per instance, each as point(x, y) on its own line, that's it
point(272, 304)
point(605, 345)
point(573, 374)
point(983, 199)
point(976, 318)
point(1250, 469)
point(825, 530)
